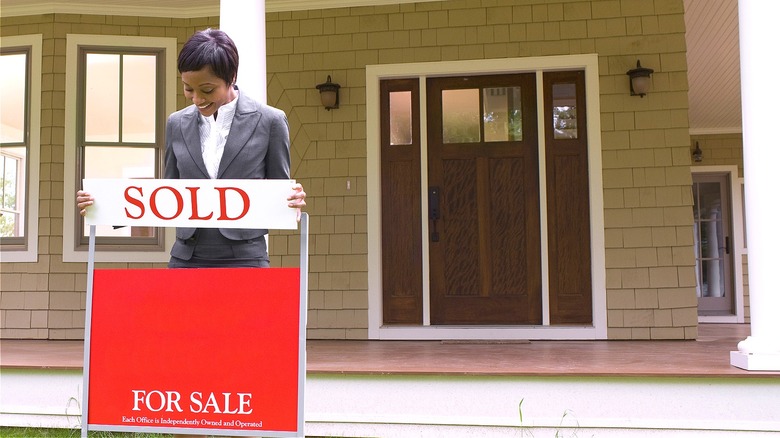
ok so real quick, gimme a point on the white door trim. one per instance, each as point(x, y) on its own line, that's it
point(375, 73)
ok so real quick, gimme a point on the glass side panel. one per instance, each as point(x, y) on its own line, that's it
point(13, 102)
point(119, 162)
point(138, 98)
point(564, 107)
point(709, 201)
point(502, 114)
point(460, 116)
point(400, 117)
point(102, 98)
point(710, 249)
point(11, 224)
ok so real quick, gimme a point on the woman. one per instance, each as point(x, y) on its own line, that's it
point(223, 134)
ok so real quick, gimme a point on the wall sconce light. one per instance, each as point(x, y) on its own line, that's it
point(329, 94)
point(640, 79)
point(697, 153)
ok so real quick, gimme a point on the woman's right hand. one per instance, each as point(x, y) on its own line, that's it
point(83, 200)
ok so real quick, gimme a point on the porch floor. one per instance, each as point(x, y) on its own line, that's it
point(706, 357)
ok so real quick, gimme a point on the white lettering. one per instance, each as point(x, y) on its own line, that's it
point(195, 398)
point(138, 396)
point(212, 401)
point(239, 403)
point(244, 399)
point(156, 401)
point(148, 401)
point(173, 399)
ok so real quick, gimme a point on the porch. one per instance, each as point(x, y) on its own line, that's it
point(472, 388)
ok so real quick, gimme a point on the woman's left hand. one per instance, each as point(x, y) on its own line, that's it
point(297, 199)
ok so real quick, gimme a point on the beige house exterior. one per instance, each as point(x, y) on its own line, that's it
point(646, 279)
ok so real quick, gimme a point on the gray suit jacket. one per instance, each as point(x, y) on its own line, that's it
point(258, 147)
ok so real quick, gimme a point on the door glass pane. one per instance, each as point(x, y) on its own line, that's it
point(11, 224)
point(12, 100)
point(710, 246)
point(400, 117)
point(564, 107)
point(709, 201)
point(711, 238)
point(503, 114)
point(460, 116)
point(138, 98)
point(119, 162)
point(102, 98)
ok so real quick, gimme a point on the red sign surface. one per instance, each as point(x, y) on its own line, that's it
point(206, 349)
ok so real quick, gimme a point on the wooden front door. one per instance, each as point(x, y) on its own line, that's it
point(483, 209)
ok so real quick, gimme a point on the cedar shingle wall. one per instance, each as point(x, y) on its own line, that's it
point(645, 146)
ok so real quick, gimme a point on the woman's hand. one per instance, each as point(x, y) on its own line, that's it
point(84, 200)
point(297, 199)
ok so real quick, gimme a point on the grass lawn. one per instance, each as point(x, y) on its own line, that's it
point(25, 432)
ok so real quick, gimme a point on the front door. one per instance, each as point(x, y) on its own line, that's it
point(483, 209)
point(713, 244)
point(476, 160)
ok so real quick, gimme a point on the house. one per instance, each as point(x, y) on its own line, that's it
point(487, 175)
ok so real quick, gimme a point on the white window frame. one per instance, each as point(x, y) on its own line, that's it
point(738, 245)
point(537, 65)
point(32, 194)
point(74, 41)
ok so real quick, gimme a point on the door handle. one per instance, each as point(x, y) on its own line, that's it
point(433, 203)
point(433, 211)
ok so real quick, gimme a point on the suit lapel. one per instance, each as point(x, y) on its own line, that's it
point(191, 134)
point(245, 120)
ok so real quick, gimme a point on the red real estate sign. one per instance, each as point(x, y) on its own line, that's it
point(205, 351)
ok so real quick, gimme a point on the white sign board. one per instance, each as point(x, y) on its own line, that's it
point(197, 203)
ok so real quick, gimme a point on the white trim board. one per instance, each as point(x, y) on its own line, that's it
point(469, 405)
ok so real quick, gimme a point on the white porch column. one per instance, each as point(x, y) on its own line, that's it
point(244, 22)
point(761, 151)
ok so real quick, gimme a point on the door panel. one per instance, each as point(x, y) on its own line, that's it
point(568, 217)
point(509, 271)
point(485, 244)
point(401, 210)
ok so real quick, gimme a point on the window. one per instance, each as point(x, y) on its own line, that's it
point(120, 116)
point(564, 111)
point(124, 89)
point(15, 65)
point(20, 97)
point(503, 114)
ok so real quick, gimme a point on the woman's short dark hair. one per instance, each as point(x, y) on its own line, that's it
point(213, 48)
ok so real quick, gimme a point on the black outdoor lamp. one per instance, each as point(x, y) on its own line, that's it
point(329, 94)
point(640, 79)
point(697, 153)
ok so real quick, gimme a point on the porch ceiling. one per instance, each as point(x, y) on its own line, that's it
point(712, 40)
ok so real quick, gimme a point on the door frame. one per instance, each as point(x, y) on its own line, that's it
point(538, 65)
point(737, 232)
